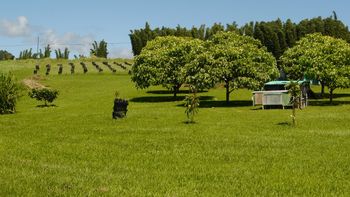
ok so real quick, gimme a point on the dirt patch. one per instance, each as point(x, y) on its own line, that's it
point(33, 83)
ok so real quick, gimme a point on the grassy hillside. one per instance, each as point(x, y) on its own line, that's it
point(77, 149)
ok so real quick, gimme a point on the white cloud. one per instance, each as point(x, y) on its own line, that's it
point(17, 28)
point(120, 52)
point(76, 43)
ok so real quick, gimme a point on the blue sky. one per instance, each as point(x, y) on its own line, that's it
point(78, 22)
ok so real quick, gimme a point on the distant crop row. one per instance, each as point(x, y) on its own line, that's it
point(84, 67)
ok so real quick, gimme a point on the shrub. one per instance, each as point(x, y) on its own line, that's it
point(191, 104)
point(10, 91)
point(120, 107)
point(294, 90)
point(45, 94)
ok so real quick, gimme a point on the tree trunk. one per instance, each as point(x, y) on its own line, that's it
point(176, 90)
point(227, 92)
point(322, 89)
point(293, 115)
point(331, 96)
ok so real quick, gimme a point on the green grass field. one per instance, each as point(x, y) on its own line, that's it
point(77, 149)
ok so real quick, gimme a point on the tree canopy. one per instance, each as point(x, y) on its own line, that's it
point(324, 58)
point(168, 61)
point(241, 61)
point(275, 35)
point(5, 55)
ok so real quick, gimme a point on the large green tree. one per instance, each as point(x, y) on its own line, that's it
point(320, 57)
point(162, 62)
point(241, 62)
point(173, 61)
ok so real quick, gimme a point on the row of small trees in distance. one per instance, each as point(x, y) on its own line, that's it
point(99, 49)
point(239, 62)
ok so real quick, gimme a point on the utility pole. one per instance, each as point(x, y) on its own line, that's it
point(37, 46)
point(37, 52)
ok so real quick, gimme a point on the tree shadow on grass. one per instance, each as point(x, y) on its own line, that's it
point(284, 124)
point(327, 103)
point(45, 106)
point(160, 99)
point(336, 95)
point(209, 103)
point(171, 92)
point(156, 99)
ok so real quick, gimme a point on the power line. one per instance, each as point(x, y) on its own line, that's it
point(62, 44)
point(17, 45)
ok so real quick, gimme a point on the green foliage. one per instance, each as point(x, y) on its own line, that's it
point(27, 54)
point(47, 51)
point(99, 49)
point(294, 90)
point(324, 58)
point(62, 55)
point(5, 55)
point(44, 94)
point(167, 61)
point(276, 35)
point(191, 104)
point(241, 62)
point(10, 91)
point(140, 37)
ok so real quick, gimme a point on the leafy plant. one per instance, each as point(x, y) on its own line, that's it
point(191, 104)
point(294, 90)
point(47, 51)
point(45, 94)
point(169, 61)
point(241, 62)
point(319, 57)
point(62, 55)
point(99, 49)
point(9, 93)
point(27, 54)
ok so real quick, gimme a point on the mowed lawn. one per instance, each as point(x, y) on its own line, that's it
point(77, 149)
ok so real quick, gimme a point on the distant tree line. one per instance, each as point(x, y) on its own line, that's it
point(5, 55)
point(276, 35)
point(99, 49)
point(62, 54)
point(28, 54)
